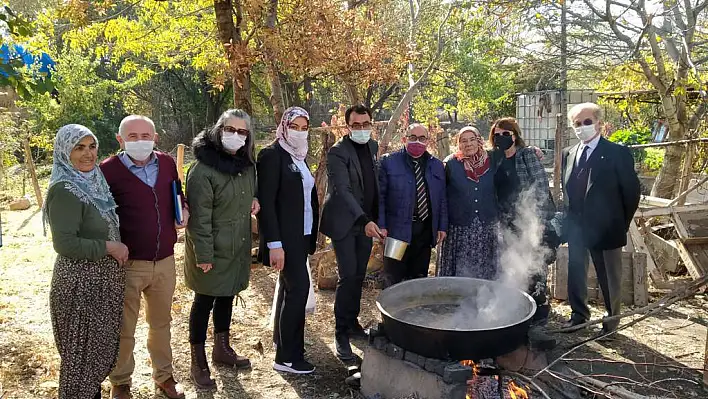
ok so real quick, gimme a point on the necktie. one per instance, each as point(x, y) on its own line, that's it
point(421, 196)
point(583, 161)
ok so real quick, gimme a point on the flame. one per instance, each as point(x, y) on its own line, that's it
point(471, 363)
point(516, 392)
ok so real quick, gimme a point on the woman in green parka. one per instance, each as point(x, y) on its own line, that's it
point(221, 190)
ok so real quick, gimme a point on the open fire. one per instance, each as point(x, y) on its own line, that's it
point(494, 383)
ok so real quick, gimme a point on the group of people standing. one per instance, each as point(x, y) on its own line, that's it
point(114, 230)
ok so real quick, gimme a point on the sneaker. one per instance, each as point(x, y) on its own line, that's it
point(300, 367)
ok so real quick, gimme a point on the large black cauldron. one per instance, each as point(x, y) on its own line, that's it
point(456, 317)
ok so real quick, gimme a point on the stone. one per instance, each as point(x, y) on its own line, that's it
point(380, 343)
point(440, 368)
point(20, 204)
point(456, 372)
point(395, 351)
point(411, 358)
point(432, 364)
point(421, 361)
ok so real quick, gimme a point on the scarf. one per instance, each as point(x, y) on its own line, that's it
point(282, 133)
point(209, 153)
point(477, 164)
point(89, 187)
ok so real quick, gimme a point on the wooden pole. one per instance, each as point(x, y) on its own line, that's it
point(557, 155)
point(180, 161)
point(687, 191)
point(686, 175)
point(705, 363)
point(33, 173)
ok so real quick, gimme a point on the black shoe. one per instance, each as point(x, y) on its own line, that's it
point(299, 367)
point(357, 331)
point(604, 337)
point(344, 349)
point(572, 322)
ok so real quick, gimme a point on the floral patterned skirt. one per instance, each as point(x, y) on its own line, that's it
point(469, 251)
point(86, 303)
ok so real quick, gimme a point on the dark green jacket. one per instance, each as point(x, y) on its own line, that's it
point(219, 229)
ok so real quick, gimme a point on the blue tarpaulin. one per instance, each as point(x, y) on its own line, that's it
point(9, 52)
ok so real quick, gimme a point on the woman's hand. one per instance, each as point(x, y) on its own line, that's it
point(205, 267)
point(118, 251)
point(277, 259)
point(255, 207)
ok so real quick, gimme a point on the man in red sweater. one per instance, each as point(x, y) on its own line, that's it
point(140, 180)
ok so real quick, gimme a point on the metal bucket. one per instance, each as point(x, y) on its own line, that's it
point(395, 249)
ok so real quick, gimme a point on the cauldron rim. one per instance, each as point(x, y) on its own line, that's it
point(502, 327)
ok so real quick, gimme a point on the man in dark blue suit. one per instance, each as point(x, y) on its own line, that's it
point(412, 204)
point(600, 194)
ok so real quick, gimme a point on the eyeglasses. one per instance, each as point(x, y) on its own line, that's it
point(504, 133)
point(360, 126)
point(420, 139)
point(586, 122)
point(232, 130)
point(298, 128)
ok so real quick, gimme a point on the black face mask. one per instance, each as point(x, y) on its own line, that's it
point(503, 142)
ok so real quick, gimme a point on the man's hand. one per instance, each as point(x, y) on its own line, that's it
point(372, 230)
point(441, 237)
point(185, 219)
point(384, 233)
point(255, 207)
point(205, 267)
point(277, 259)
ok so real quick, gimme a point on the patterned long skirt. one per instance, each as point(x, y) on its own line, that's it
point(469, 251)
point(86, 302)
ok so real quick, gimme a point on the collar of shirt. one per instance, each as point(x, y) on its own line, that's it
point(129, 162)
point(592, 144)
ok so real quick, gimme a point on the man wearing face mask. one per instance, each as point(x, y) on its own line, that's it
point(600, 194)
point(141, 180)
point(348, 218)
point(412, 204)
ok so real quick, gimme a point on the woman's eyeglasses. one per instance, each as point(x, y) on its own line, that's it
point(586, 122)
point(232, 130)
point(504, 133)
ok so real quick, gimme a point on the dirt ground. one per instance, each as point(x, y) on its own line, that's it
point(663, 352)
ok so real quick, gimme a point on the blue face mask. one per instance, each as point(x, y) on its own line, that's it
point(360, 136)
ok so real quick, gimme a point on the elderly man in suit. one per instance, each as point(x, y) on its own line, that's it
point(349, 211)
point(600, 193)
point(412, 204)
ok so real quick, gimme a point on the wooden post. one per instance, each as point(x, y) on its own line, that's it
point(639, 269)
point(686, 175)
point(557, 155)
point(33, 173)
point(705, 363)
point(180, 162)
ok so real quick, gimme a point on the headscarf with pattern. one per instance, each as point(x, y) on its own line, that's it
point(89, 187)
point(477, 164)
point(282, 133)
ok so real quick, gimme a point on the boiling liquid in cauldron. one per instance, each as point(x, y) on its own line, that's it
point(463, 316)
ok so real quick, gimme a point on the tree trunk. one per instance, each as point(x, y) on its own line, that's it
point(230, 37)
point(276, 88)
point(665, 185)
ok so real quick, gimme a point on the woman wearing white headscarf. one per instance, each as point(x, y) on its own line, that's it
point(288, 224)
point(86, 296)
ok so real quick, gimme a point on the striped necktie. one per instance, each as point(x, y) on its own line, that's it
point(421, 195)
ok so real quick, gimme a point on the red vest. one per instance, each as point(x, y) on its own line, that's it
point(146, 214)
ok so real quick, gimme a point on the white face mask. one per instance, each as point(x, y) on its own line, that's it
point(232, 141)
point(360, 136)
point(139, 150)
point(585, 132)
point(297, 139)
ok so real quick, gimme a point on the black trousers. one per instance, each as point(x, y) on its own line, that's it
point(416, 260)
point(352, 252)
point(289, 326)
point(199, 316)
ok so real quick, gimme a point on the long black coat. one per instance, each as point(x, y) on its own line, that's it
point(283, 207)
point(612, 195)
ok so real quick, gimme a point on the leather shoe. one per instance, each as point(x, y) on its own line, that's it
point(120, 392)
point(572, 322)
point(171, 388)
point(357, 331)
point(343, 347)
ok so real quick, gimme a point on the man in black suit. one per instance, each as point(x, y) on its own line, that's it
point(350, 207)
point(600, 194)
